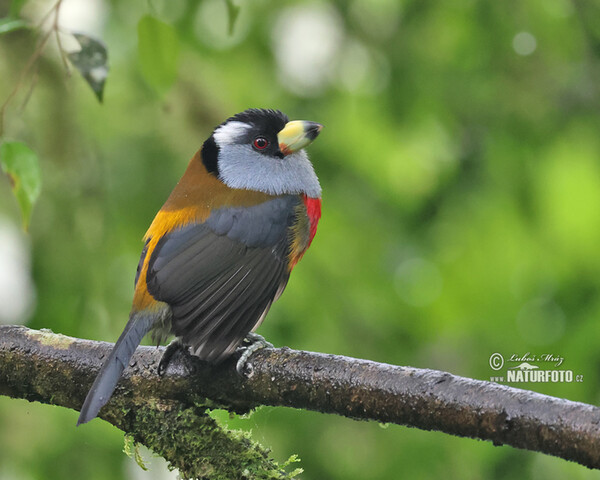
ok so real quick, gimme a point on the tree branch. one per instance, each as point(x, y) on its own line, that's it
point(42, 366)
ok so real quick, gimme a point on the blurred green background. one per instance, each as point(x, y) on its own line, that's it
point(460, 164)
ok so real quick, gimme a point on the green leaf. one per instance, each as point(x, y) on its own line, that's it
point(10, 24)
point(92, 62)
point(232, 11)
point(158, 51)
point(15, 7)
point(21, 165)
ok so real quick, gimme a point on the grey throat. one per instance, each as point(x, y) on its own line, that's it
point(242, 167)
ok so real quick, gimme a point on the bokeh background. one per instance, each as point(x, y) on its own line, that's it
point(460, 164)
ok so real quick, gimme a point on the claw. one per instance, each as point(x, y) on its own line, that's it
point(255, 342)
point(172, 349)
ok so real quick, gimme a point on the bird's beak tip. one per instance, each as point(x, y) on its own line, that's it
point(313, 129)
point(297, 134)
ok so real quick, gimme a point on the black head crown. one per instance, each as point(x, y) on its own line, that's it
point(264, 119)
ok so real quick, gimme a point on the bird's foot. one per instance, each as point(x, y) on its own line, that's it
point(172, 348)
point(251, 344)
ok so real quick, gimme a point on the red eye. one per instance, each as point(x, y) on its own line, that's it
point(261, 143)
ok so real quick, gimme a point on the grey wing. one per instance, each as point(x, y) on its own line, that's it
point(220, 277)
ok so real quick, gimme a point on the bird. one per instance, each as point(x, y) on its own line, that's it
point(221, 249)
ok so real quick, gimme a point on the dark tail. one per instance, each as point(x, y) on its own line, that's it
point(106, 381)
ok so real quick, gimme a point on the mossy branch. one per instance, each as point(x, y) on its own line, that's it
point(168, 413)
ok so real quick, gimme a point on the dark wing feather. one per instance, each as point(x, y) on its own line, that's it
point(220, 277)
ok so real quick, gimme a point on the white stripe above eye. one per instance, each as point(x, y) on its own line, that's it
point(230, 132)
